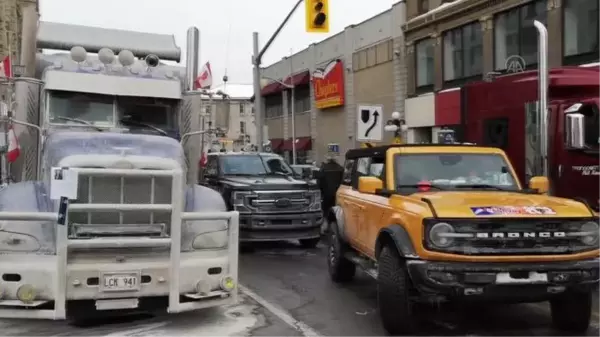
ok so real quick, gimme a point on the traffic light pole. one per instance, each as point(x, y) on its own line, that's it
point(256, 61)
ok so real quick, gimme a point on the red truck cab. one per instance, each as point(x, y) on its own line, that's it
point(503, 112)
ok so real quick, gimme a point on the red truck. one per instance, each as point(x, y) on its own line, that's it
point(561, 144)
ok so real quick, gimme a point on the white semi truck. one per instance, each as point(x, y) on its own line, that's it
point(140, 232)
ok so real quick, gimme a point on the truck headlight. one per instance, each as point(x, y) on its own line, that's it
point(211, 240)
point(438, 235)
point(26, 293)
point(590, 230)
point(227, 283)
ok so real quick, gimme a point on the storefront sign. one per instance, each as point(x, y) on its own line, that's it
point(328, 85)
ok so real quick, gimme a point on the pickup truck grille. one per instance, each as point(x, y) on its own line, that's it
point(124, 190)
point(280, 202)
point(512, 236)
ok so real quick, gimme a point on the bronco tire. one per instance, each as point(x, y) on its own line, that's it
point(393, 288)
point(341, 270)
point(309, 243)
point(572, 311)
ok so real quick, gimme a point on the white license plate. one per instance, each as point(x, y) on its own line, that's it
point(534, 277)
point(120, 282)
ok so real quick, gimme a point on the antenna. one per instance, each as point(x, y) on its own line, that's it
point(225, 78)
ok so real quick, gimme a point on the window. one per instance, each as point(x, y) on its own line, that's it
point(243, 128)
point(452, 171)
point(348, 167)
point(591, 124)
point(463, 52)
point(424, 63)
point(580, 31)
point(302, 98)
point(423, 6)
point(515, 34)
point(242, 109)
point(65, 106)
point(273, 106)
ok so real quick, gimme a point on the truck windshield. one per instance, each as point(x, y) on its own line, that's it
point(147, 113)
point(450, 171)
point(66, 107)
point(254, 164)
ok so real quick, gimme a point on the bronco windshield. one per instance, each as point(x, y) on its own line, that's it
point(254, 164)
point(454, 171)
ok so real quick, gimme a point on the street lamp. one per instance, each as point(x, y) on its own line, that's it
point(397, 126)
point(263, 82)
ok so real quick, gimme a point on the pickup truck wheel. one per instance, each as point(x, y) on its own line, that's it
point(572, 311)
point(309, 243)
point(341, 270)
point(393, 288)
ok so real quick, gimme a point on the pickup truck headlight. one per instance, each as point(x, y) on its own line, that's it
point(590, 231)
point(440, 235)
point(237, 197)
point(211, 240)
point(315, 199)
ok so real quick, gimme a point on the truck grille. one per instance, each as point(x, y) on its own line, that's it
point(123, 190)
point(512, 236)
point(280, 202)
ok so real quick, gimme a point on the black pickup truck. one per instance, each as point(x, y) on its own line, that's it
point(274, 203)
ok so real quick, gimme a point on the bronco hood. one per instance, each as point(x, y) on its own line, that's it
point(501, 204)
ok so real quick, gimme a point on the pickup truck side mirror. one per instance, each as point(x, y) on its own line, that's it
point(574, 127)
point(541, 184)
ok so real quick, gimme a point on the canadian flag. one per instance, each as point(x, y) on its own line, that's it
point(204, 80)
point(6, 67)
point(203, 160)
point(14, 150)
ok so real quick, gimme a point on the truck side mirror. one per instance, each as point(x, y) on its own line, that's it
point(540, 184)
point(575, 130)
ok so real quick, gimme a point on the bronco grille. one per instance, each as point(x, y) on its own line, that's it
point(122, 190)
point(523, 236)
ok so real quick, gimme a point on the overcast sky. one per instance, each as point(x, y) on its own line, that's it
point(226, 26)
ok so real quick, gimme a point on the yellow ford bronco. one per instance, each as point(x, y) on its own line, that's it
point(452, 222)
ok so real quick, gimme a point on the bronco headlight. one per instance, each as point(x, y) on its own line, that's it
point(589, 232)
point(441, 236)
point(211, 240)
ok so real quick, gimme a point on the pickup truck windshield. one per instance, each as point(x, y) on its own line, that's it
point(254, 164)
point(452, 171)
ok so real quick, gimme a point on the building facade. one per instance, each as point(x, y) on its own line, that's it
point(241, 130)
point(450, 43)
point(13, 30)
point(362, 65)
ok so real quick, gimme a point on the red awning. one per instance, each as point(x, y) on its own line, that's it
point(271, 88)
point(302, 144)
point(298, 79)
point(276, 143)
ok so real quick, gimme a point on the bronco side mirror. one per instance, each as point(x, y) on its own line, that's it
point(574, 128)
point(540, 184)
point(369, 184)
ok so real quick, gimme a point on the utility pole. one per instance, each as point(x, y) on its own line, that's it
point(292, 85)
point(256, 61)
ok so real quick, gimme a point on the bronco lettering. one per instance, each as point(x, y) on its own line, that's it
point(516, 235)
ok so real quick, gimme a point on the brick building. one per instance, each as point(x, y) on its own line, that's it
point(449, 43)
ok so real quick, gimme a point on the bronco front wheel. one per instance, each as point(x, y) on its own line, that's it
point(572, 311)
point(393, 287)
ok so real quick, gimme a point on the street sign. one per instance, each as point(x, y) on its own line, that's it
point(333, 148)
point(369, 123)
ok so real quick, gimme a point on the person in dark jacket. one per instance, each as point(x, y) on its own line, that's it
point(329, 178)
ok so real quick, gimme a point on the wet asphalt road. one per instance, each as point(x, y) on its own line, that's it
point(286, 291)
point(297, 281)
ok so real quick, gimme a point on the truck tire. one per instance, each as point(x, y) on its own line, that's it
point(393, 289)
point(309, 243)
point(341, 270)
point(572, 311)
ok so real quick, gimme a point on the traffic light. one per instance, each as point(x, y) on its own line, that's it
point(317, 16)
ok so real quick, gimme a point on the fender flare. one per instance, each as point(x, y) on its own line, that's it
point(396, 235)
point(336, 214)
